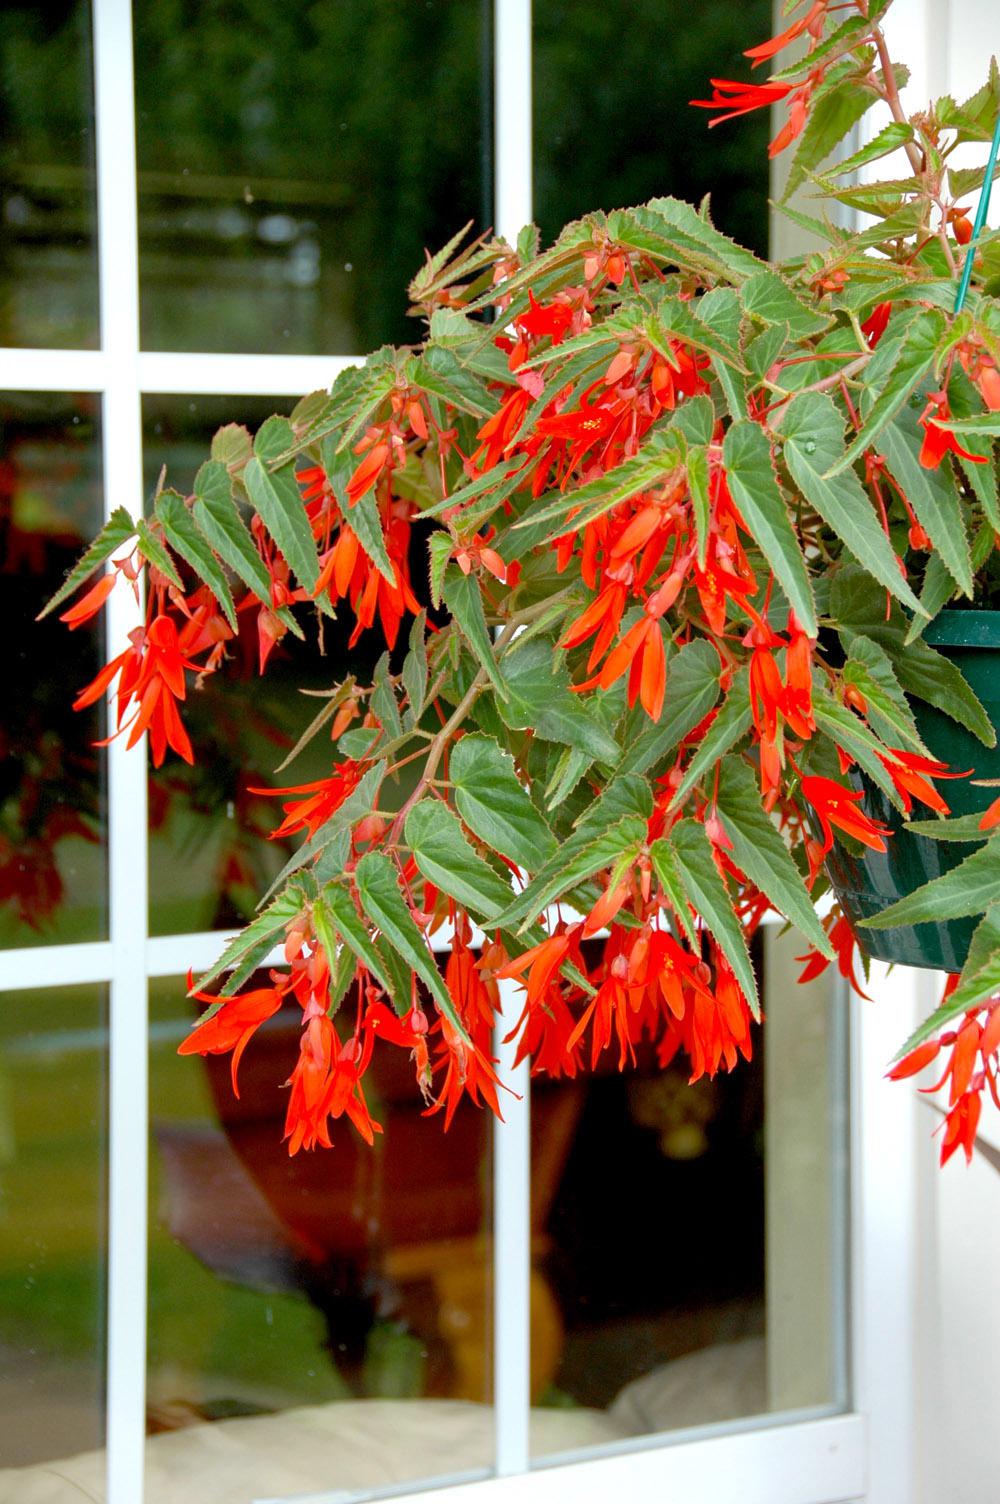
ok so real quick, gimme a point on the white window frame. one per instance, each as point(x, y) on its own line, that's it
point(864, 1455)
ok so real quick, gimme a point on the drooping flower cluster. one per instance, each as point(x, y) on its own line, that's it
point(973, 1048)
point(679, 555)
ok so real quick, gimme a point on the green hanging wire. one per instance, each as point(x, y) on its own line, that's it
point(981, 211)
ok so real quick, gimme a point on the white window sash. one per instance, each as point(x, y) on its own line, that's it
point(807, 1460)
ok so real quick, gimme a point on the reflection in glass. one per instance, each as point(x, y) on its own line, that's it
point(332, 1311)
point(210, 859)
point(295, 160)
point(53, 1103)
point(626, 135)
point(52, 806)
point(695, 1237)
point(48, 239)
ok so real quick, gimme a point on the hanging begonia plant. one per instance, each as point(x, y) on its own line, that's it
point(686, 515)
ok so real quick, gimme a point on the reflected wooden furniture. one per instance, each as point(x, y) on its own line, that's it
point(409, 1215)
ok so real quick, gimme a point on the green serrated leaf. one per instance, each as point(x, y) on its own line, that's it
point(694, 232)
point(415, 668)
point(708, 896)
point(763, 351)
point(494, 804)
point(359, 742)
point(760, 851)
point(182, 534)
point(462, 596)
point(360, 802)
point(869, 669)
point(352, 929)
point(156, 554)
point(813, 431)
point(570, 767)
point(383, 700)
point(889, 139)
point(371, 388)
point(858, 607)
point(447, 859)
point(961, 828)
point(969, 888)
point(836, 107)
point(701, 505)
point(218, 518)
point(657, 460)
point(439, 546)
point(257, 939)
point(749, 469)
point(621, 842)
point(438, 372)
point(277, 501)
point(933, 496)
point(720, 309)
point(232, 446)
point(674, 320)
point(695, 419)
point(118, 529)
point(692, 691)
point(730, 725)
point(842, 38)
point(768, 297)
point(539, 697)
point(385, 906)
point(914, 354)
point(669, 877)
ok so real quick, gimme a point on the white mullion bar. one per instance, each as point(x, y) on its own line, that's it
point(512, 1139)
point(887, 1146)
point(512, 1250)
point(512, 197)
point(52, 370)
point(183, 374)
point(172, 373)
point(55, 965)
point(122, 429)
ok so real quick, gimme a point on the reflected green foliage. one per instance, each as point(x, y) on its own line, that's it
point(295, 160)
point(52, 1216)
point(612, 122)
point(48, 253)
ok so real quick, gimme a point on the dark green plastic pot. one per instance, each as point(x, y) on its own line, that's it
point(869, 883)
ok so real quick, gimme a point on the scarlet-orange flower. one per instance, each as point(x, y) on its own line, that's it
point(940, 441)
point(326, 1082)
point(734, 98)
point(911, 776)
point(150, 675)
point(316, 802)
point(973, 1043)
point(233, 1025)
point(88, 605)
point(812, 22)
point(833, 804)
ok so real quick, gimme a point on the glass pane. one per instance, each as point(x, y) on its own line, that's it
point(328, 1314)
point(48, 248)
point(295, 160)
point(53, 858)
point(629, 135)
point(693, 1236)
point(53, 1192)
point(210, 859)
